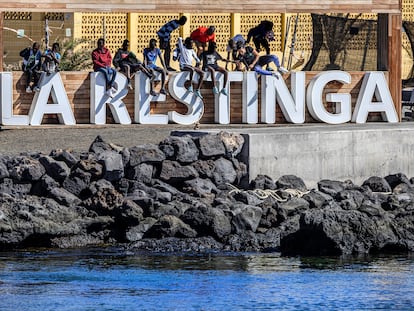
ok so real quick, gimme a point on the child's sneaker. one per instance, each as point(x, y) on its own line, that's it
point(224, 91)
point(130, 86)
point(28, 89)
point(283, 70)
point(110, 93)
point(198, 93)
point(36, 89)
point(276, 75)
point(113, 91)
point(215, 90)
point(190, 88)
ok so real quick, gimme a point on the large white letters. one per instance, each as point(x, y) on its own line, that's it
point(195, 106)
point(293, 106)
point(99, 99)
point(315, 101)
point(6, 102)
point(51, 85)
point(374, 83)
point(221, 101)
point(143, 100)
point(374, 96)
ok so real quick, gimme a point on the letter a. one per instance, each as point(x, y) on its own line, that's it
point(374, 83)
point(51, 85)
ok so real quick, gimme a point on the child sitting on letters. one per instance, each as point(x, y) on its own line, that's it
point(31, 66)
point(127, 62)
point(52, 59)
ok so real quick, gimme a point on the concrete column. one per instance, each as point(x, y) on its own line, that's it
point(235, 24)
point(133, 31)
point(185, 29)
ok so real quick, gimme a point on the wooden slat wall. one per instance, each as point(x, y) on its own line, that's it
point(190, 6)
point(77, 85)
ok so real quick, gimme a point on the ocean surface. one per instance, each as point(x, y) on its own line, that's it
point(111, 279)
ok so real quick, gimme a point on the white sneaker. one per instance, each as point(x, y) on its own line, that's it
point(36, 89)
point(198, 93)
point(130, 86)
point(276, 74)
point(109, 93)
point(283, 70)
point(112, 92)
point(28, 89)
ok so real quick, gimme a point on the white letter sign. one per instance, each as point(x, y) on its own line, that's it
point(99, 99)
point(51, 85)
point(315, 101)
point(374, 83)
point(195, 106)
point(6, 102)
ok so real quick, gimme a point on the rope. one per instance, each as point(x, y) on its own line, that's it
point(264, 194)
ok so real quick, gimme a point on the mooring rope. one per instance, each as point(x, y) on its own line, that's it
point(264, 194)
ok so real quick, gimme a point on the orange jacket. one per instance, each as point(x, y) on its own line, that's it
point(200, 35)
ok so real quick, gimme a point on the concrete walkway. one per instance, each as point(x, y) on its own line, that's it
point(310, 151)
point(44, 138)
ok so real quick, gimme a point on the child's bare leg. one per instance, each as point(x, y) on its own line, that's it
point(213, 79)
point(152, 78)
point(225, 73)
point(191, 71)
point(128, 72)
point(163, 74)
point(201, 77)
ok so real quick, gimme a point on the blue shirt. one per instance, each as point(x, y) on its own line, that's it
point(151, 56)
point(165, 31)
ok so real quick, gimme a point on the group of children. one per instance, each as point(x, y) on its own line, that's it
point(239, 52)
point(34, 62)
point(205, 53)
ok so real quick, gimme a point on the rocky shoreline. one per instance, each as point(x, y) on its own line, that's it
point(185, 194)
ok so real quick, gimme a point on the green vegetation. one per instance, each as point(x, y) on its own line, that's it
point(75, 57)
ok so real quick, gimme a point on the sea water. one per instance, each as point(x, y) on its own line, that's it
point(112, 279)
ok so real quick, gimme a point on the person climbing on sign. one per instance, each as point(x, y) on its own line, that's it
point(201, 36)
point(253, 61)
point(232, 46)
point(164, 36)
point(261, 35)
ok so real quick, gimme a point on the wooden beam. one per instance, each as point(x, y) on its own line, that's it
point(395, 59)
point(382, 42)
point(1, 40)
point(205, 6)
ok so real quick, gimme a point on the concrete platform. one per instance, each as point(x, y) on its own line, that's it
point(338, 152)
point(310, 151)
